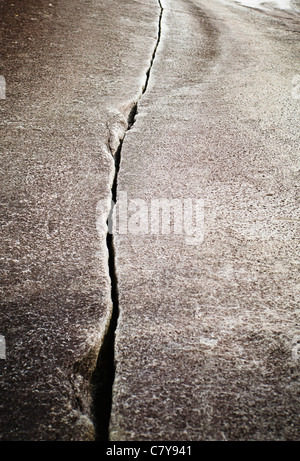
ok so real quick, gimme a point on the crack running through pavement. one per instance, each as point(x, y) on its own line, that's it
point(104, 373)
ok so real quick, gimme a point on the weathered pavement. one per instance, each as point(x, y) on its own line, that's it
point(73, 70)
point(207, 338)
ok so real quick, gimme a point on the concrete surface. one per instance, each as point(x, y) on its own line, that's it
point(207, 343)
point(208, 336)
point(72, 70)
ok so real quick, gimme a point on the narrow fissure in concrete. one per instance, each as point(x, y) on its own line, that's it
point(104, 374)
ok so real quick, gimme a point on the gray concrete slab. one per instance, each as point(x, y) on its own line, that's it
point(207, 343)
point(70, 73)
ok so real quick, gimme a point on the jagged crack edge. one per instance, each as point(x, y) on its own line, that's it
point(104, 374)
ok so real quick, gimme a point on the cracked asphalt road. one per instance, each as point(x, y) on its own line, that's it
point(207, 337)
point(205, 344)
point(72, 70)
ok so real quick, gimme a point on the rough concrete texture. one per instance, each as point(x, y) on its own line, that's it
point(72, 69)
point(207, 339)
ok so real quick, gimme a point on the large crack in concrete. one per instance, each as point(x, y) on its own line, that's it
point(104, 374)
